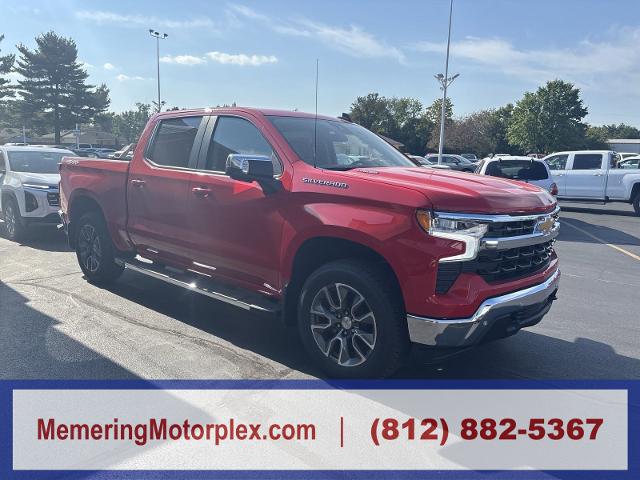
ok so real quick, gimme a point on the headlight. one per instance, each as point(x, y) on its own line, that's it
point(451, 227)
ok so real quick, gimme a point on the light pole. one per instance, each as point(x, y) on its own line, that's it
point(158, 36)
point(445, 80)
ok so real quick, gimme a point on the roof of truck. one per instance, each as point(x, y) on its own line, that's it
point(231, 110)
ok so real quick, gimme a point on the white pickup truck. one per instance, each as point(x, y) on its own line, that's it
point(593, 175)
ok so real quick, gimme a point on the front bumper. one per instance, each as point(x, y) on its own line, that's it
point(496, 317)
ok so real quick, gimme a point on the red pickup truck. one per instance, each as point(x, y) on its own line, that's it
point(321, 221)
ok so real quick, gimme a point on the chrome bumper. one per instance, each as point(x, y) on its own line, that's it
point(497, 317)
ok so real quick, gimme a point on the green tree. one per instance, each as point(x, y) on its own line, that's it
point(128, 126)
point(549, 119)
point(55, 83)
point(372, 111)
point(597, 136)
point(433, 114)
point(6, 64)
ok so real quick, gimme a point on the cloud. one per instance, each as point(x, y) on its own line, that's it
point(241, 59)
point(351, 40)
point(183, 59)
point(109, 66)
point(123, 78)
point(590, 64)
point(84, 64)
point(104, 17)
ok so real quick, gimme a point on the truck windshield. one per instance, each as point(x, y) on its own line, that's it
point(36, 162)
point(339, 145)
point(517, 169)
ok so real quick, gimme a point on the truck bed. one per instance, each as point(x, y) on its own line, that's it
point(104, 180)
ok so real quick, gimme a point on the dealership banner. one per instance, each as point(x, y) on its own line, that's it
point(315, 429)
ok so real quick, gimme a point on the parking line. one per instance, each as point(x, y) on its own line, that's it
point(615, 247)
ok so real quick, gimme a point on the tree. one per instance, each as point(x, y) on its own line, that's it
point(372, 112)
point(549, 119)
point(434, 115)
point(55, 83)
point(6, 63)
point(128, 126)
point(597, 136)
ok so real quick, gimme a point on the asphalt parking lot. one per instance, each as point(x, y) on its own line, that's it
point(55, 325)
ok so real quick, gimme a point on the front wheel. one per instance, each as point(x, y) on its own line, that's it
point(351, 322)
point(636, 204)
point(95, 251)
point(14, 224)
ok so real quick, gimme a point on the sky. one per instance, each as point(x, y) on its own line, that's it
point(263, 53)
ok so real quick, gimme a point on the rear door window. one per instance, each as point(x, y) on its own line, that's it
point(174, 141)
point(587, 161)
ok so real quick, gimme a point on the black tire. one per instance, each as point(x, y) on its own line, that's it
point(636, 204)
point(14, 225)
point(390, 338)
point(95, 251)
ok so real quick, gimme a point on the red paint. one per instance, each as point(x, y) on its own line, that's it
point(251, 238)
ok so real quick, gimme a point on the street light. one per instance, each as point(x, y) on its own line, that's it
point(445, 80)
point(158, 36)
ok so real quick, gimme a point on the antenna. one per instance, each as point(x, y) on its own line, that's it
point(315, 122)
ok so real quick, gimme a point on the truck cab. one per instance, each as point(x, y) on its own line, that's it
point(593, 175)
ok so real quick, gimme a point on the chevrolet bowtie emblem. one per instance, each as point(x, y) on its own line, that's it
point(545, 224)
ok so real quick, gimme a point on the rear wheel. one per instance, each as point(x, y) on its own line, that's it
point(350, 322)
point(95, 250)
point(14, 224)
point(636, 204)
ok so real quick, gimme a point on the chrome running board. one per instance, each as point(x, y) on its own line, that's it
point(195, 282)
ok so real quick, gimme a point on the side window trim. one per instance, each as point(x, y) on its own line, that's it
point(195, 148)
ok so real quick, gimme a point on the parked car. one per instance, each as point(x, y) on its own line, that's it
point(125, 153)
point(524, 169)
point(625, 155)
point(423, 162)
point(591, 175)
point(470, 156)
point(454, 162)
point(103, 152)
point(29, 187)
point(253, 208)
point(630, 162)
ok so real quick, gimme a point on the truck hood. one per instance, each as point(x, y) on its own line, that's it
point(51, 179)
point(453, 191)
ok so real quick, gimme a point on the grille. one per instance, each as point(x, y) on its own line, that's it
point(510, 229)
point(53, 198)
point(497, 265)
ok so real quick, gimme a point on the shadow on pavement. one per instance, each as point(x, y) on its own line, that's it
point(43, 237)
point(608, 234)
point(598, 211)
point(525, 355)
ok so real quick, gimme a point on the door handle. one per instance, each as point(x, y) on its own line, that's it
point(597, 174)
point(559, 175)
point(201, 191)
point(137, 183)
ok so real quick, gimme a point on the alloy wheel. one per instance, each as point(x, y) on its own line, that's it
point(89, 249)
point(343, 324)
point(10, 220)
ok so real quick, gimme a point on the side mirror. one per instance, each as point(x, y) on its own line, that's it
point(248, 168)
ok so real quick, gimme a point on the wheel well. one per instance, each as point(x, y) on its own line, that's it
point(79, 207)
point(319, 251)
point(635, 191)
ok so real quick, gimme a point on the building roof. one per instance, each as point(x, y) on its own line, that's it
point(624, 140)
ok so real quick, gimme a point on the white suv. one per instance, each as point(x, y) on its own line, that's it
point(29, 192)
point(525, 169)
